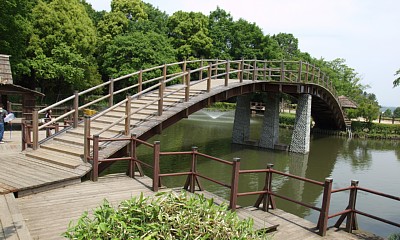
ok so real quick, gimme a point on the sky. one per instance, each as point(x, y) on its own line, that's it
point(366, 33)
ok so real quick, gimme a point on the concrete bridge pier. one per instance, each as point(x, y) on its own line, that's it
point(241, 123)
point(301, 133)
point(270, 128)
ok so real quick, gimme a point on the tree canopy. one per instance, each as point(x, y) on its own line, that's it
point(70, 45)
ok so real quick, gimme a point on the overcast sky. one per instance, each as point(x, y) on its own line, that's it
point(366, 33)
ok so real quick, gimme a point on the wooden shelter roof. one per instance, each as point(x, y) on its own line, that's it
point(346, 102)
point(7, 85)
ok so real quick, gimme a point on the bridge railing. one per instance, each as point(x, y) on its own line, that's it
point(184, 75)
point(265, 196)
point(350, 213)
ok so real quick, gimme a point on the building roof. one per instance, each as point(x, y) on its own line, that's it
point(346, 102)
point(5, 70)
point(6, 82)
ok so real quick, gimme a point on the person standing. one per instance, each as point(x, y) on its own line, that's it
point(3, 114)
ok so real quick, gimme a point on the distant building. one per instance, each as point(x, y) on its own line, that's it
point(7, 88)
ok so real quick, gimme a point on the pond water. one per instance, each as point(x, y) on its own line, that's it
point(376, 164)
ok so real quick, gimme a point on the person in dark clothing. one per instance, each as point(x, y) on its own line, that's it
point(3, 114)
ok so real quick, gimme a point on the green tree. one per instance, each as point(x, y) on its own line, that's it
point(61, 47)
point(221, 31)
point(247, 39)
point(387, 113)
point(396, 82)
point(15, 30)
point(288, 44)
point(134, 51)
point(396, 112)
point(189, 34)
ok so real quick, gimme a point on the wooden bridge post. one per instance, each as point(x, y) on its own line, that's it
point(76, 108)
point(193, 176)
point(128, 114)
point(187, 83)
point(265, 70)
point(86, 140)
point(300, 71)
point(234, 183)
point(161, 91)
point(313, 74)
point(140, 81)
point(111, 93)
point(35, 129)
point(95, 170)
point(227, 70)
point(209, 77)
point(266, 198)
point(156, 166)
point(255, 70)
point(201, 70)
point(241, 73)
point(307, 69)
point(216, 68)
point(133, 155)
point(184, 70)
point(326, 200)
point(351, 223)
point(282, 71)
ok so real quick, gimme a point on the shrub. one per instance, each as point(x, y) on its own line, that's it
point(169, 216)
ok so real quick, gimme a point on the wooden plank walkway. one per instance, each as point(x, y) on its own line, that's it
point(12, 224)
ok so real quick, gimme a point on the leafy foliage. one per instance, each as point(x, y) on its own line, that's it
point(375, 130)
point(169, 216)
point(62, 46)
point(396, 112)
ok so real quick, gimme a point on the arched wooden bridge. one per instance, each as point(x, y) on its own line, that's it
point(147, 101)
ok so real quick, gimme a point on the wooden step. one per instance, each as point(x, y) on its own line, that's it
point(109, 133)
point(66, 160)
point(12, 223)
point(57, 146)
point(70, 138)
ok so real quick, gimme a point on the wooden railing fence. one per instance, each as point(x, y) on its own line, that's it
point(265, 196)
point(188, 73)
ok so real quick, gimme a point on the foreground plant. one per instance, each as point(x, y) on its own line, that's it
point(168, 216)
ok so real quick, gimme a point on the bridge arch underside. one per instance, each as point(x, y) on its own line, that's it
point(326, 111)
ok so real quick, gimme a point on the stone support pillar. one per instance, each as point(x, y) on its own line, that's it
point(270, 129)
point(241, 124)
point(301, 132)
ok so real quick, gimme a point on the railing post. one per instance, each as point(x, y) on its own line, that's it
point(24, 135)
point(282, 71)
point(35, 129)
point(209, 77)
point(307, 69)
point(201, 71)
point(161, 91)
point(255, 70)
point(216, 68)
point(300, 71)
point(266, 198)
point(326, 199)
point(227, 70)
point(95, 170)
point(76, 108)
point(156, 166)
point(132, 151)
point(241, 70)
point(86, 140)
point(234, 183)
point(265, 71)
point(193, 176)
point(187, 83)
point(351, 222)
point(111, 93)
point(184, 70)
point(140, 81)
point(128, 115)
